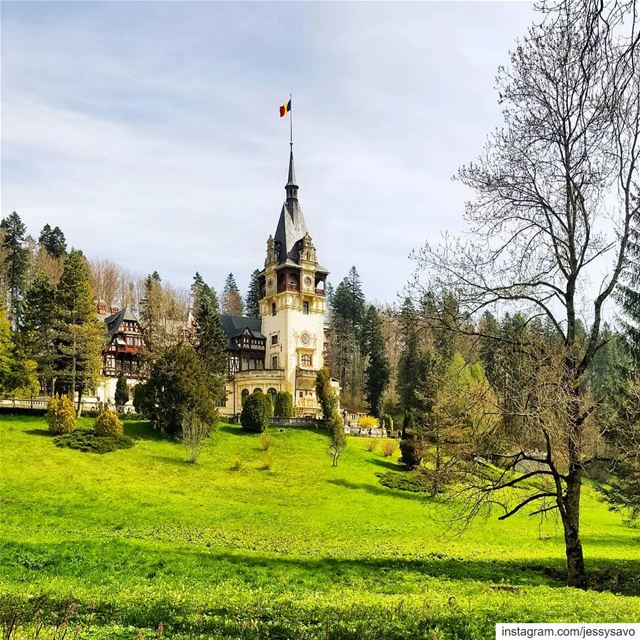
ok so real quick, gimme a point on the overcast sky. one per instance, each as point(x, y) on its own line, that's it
point(149, 131)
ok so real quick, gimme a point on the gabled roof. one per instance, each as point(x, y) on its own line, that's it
point(235, 326)
point(114, 321)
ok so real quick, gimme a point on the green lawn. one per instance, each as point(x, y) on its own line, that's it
point(136, 538)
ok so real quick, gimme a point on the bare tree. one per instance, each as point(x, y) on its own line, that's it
point(556, 189)
point(195, 436)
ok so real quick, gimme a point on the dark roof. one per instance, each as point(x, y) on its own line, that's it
point(291, 227)
point(235, 326)
point(114, 321)
point(290, 231)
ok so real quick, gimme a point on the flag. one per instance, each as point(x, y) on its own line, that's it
point(285, 108)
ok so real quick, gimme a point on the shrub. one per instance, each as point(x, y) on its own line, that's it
point(84, 440)
point(237, 465)
point(122, 392)
point(372, 444)
point(61, 416)
point(412, 452)
point(284, 405)
point(368, 422)
point(255, 413)
point(108, 424)
point(387, 422)
point(389, 447)
point(265, 441)
point(267, 404)
point(266, 464)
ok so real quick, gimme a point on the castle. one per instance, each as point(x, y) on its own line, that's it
point(282, 350)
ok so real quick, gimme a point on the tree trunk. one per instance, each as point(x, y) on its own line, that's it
point(571, 524)
point(79, 407)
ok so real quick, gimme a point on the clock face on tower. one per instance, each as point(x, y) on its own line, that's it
point(308, 281)
point(306, 338)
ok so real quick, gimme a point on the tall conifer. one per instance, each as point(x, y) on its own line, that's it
point(80, 337)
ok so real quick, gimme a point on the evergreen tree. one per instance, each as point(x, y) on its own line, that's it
point(17, 373)
point(210, 339)
point(377, 369)
point(121, 396)
point(328, 400)
point(38, 329)
point(252, 305)
point(79, 337)
point(347, 318)
point(415, 366)
point(488, 330)
point(177, 391)
point(16, 261)
point(231, 302)
point(53, 241)
point(629, 291)
point(151, 320)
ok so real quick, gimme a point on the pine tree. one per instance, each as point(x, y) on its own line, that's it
point(377, 369)
point(15, 262)
point(79, 336)
point(151, 321)
point(488, 330)
point(231, 301)
point(53, 241)
point(38, 328)
point(414, 365)
point(210, 339)
point(629, 291)
point(347, 317)
point(252, 304)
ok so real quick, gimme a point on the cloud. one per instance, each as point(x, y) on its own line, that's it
point(149, 131)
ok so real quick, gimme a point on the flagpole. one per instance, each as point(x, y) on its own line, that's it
point(291, 121)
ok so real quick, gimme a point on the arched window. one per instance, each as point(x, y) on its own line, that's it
point(305, 360)
point(244, 395)
point(272, 392)
point(257, 390)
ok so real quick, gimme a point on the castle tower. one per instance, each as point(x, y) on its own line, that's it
point(292, 304)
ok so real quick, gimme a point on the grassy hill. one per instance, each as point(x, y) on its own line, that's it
point(122, 543)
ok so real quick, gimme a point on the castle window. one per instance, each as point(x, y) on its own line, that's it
point(274, 339)
point(305, 360)
point(273, 308)
point(305, 308)
point(244, 395)
point(274, 362)
point(272, 392)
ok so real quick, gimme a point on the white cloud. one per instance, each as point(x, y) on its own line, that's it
point(149, 133)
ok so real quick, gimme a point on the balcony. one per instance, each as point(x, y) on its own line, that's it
point(306, 373)
point(250, 374)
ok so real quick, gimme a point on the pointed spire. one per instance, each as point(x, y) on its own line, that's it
point(292, 186)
